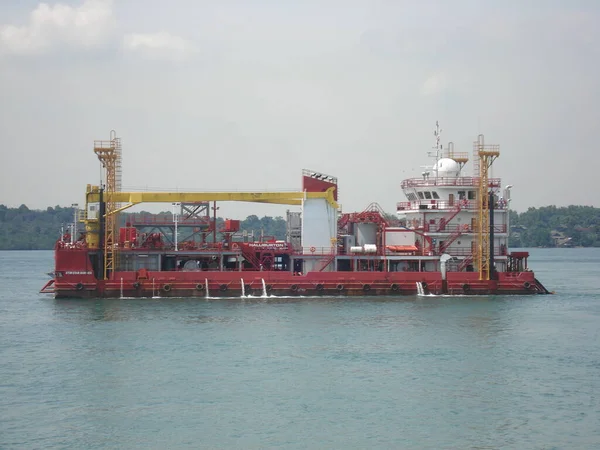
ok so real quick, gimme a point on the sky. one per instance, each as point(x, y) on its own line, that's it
point(241, 95)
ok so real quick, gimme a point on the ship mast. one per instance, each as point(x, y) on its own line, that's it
point(485, 156)
point(109, 154)
point(435, 154)
point(438, 147)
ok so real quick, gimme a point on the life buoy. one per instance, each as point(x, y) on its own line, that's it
point(366, 287)
point(466, 287)
point(340, 287)
point(527, 285)
point(394, 287)
point(312, 249)
point(136, 285)
point(200, 287)
point(294, 287)
point(223, 287)
point(167, 287)
point(235, 246)
point(79, 287)
point(319, 287)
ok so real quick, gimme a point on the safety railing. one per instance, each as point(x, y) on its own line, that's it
point(317, 251)
point(105, 144)
point(444, 205)
point(452, 228)
point(448, 181)
point(165, 221)
point(464, 251)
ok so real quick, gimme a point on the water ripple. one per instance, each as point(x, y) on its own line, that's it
point(299, 373)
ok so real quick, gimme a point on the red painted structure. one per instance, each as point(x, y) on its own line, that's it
point(266, 269)
point(150, 265)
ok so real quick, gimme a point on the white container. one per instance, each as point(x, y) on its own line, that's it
point(366, 233)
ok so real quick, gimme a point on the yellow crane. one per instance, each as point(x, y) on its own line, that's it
point(485, 155)
point(282, 198)
point(109, 154)
point(93, 195)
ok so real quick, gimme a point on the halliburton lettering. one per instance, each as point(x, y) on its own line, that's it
point(268, 245)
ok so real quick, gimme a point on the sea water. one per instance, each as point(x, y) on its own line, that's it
point(390, 372)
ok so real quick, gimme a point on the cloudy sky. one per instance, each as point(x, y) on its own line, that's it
point(243, 94)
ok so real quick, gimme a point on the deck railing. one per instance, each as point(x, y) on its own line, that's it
point(465, 228)
point(418, 205)
point(448, 181)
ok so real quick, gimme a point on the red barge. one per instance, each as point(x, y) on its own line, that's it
point(450, 237)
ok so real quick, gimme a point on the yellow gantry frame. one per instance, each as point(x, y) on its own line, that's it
point(134, 198)
point(281, 198)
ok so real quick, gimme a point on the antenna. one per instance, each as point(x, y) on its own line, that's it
point(437, 133)
point(438, 147)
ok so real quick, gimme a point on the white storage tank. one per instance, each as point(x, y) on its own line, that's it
point(370, 248)
point(356, 249)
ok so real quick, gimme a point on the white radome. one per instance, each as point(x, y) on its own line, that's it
point(447, 167)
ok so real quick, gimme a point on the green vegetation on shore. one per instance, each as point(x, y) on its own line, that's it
point(548, 226)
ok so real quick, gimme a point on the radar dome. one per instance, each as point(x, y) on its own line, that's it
point(447, 167)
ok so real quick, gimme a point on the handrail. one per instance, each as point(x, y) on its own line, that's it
point(448, 181)
point(316, 251)
point(464, 228)
point(164, 220)
point(418, 205)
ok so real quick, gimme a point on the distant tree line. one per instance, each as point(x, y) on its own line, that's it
point(548, 226)
point(25, 229)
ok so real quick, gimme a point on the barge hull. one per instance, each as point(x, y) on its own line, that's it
point(259, 284)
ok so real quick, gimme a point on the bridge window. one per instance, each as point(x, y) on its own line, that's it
point(428, 195)
point(435, 195)
point(462, 195)
point(472, 195)
point(420, 195)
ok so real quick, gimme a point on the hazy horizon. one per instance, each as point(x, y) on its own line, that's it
point(242, 95)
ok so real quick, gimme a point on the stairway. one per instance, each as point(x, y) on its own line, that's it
point(444, 221)
point(249, 256)
point(326, 261)
point(451, 239)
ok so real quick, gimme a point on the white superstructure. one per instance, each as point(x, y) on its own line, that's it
point(443, 207)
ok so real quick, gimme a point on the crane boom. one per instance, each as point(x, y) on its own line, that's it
point(282, 198)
